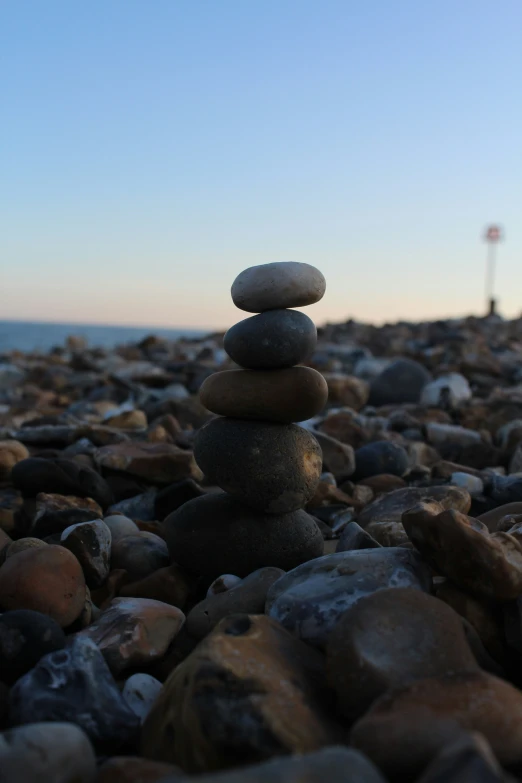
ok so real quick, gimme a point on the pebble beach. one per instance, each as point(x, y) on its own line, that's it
point(279, 554)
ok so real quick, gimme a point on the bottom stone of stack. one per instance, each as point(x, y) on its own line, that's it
point(215, 534)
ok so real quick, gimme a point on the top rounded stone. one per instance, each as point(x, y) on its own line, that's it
point(276, 286)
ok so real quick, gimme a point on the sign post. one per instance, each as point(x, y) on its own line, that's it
point(492, 236)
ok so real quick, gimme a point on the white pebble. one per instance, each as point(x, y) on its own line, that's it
point(140, 693)
point(223, 583)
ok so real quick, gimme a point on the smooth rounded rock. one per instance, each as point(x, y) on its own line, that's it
point(140, 555)
point(25, 637)
point(120, 526)
point(284, 396)
point(271, 340)
point(22, 544)
point(379, 457)
point(248, 691)
point(401, 381)
point(270, 467)
point(310, 600)
point(133, 632)
point(215, 534)
point(140, 692)
point(90, 542)
point(46, 753)
point(407, 726)
point(276, 286)
point(389, 638)
point(48, 580)
point(222, 584)
point(248, 596)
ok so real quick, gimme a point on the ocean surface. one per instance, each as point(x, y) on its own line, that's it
point(26, 336)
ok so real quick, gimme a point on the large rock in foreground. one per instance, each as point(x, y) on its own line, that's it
point(309, 600)
point(248, 692)
point(408, 726)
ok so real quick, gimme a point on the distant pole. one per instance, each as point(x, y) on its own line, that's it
point(492, 236)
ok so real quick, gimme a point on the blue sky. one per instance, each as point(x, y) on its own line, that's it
point(149, 151)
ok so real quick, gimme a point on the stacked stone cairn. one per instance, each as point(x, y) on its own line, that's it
point(267, 465)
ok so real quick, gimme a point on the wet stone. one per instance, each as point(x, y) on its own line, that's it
point(310, 600)
point(271, 340)
point(87, 696)
point(133, 632)
point(91, 543)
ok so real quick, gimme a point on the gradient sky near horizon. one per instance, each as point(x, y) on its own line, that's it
point(150, 151)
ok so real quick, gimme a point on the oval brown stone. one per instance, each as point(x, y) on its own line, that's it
point(274, 468)
point(49, 580)
point(285, 396)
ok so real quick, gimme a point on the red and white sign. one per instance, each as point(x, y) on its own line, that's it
point(493, 234)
